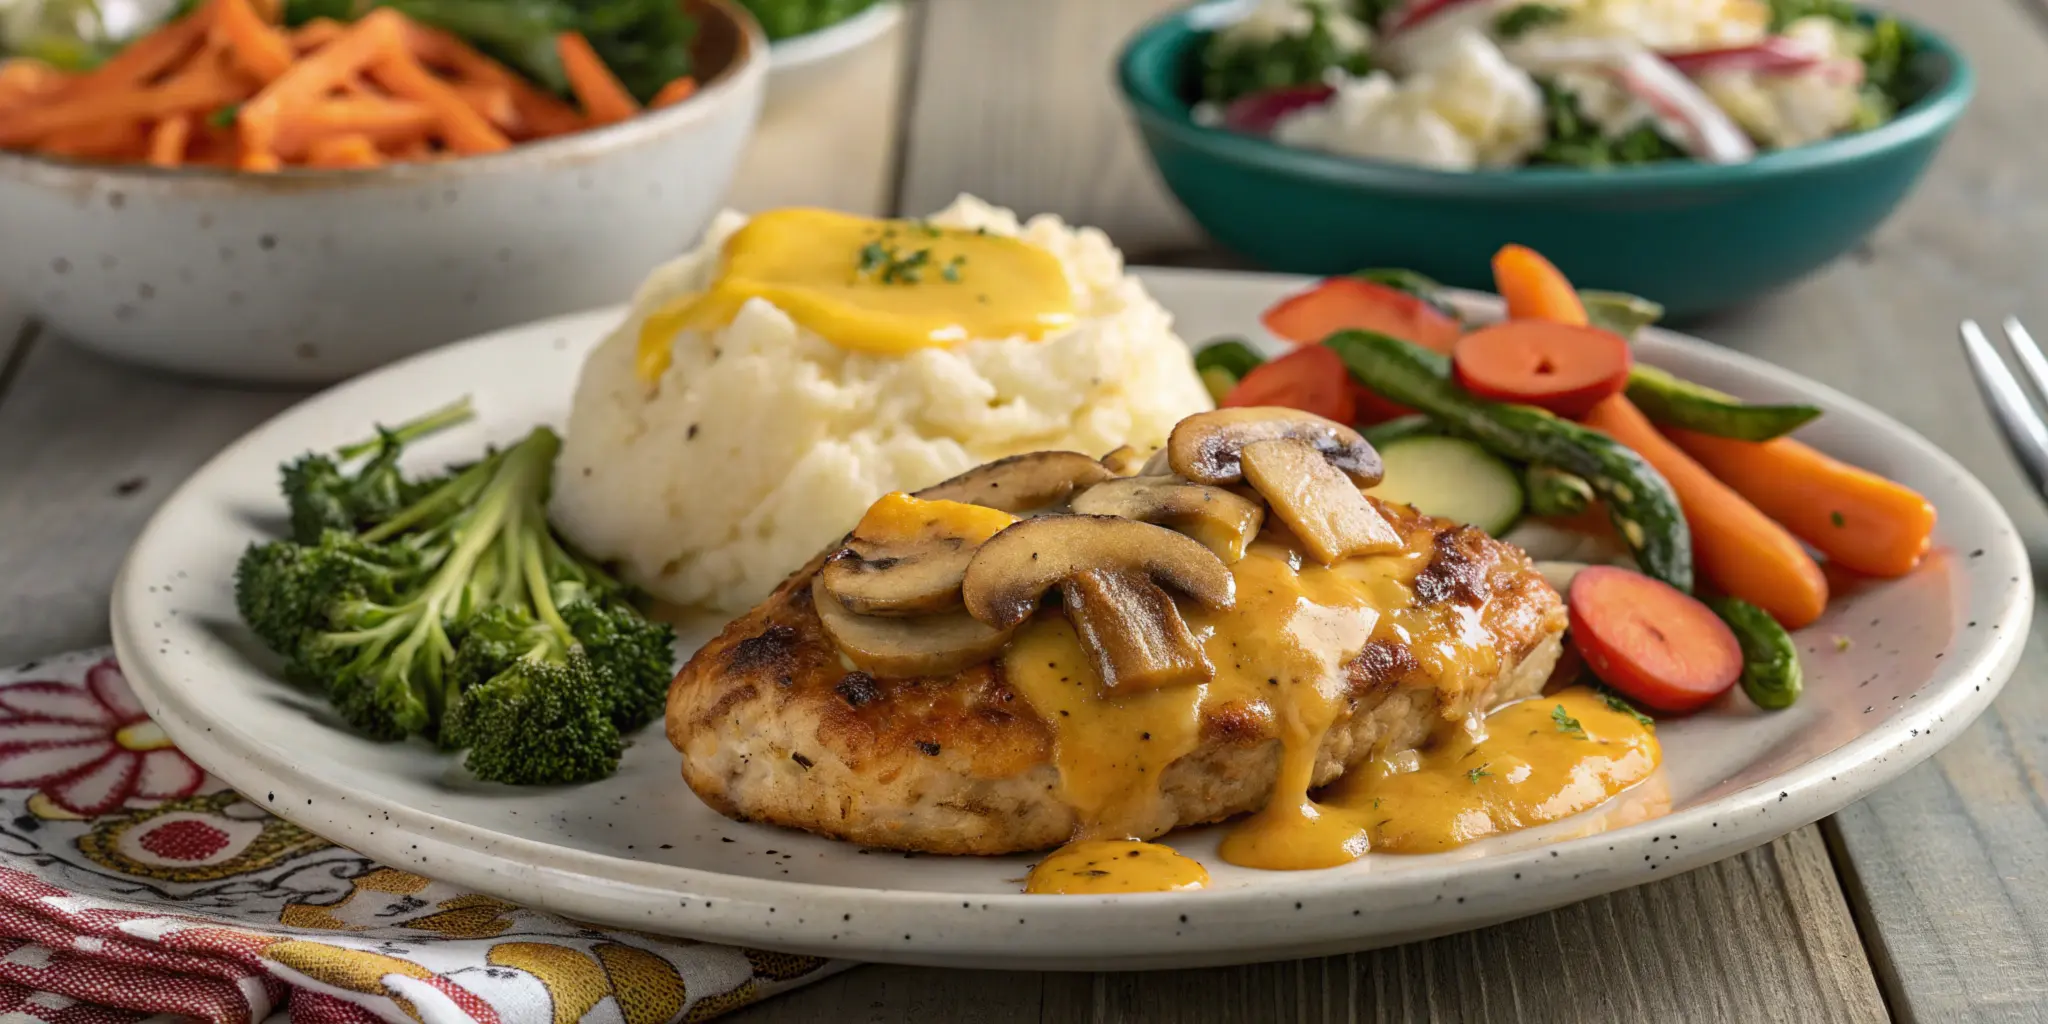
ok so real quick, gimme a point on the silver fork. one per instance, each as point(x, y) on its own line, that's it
point(2019, 419)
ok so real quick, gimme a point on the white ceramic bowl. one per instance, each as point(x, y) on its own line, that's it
point(799, 65)
point(312, 276)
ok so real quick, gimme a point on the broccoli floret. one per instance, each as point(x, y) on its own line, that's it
point(540, 722)
point(323, 496)
point(459, 616)
point(639, 653)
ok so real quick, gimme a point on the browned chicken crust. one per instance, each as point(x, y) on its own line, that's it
point(774, 727)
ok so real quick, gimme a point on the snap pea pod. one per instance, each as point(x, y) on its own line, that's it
point(1422, 286)
point(1620, 312)
point(1770, 661)
point(1222, 363)
point(1554, 492)
point(1674, 402)
point(1644, 510)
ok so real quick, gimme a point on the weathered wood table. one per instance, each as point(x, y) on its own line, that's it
point(1927, 902)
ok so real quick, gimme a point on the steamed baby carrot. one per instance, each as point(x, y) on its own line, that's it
point(1737, 547)
point(257, 47)
point(115, 139)
point(1860, 520)
point(25, 80)
point(604, 100)
point(464, 130)
point(1534, 288)
point(168, 139)
point(675, 92)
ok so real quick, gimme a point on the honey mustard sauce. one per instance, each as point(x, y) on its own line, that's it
point(1281, 656)
point(883, 287)
point(1097, 866)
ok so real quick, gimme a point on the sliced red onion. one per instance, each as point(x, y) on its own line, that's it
point(1256, 113)
point(1776, 55)
point(1416, 12)
point(1703, 128)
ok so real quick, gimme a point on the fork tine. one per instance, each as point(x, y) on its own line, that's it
point(2031, 360)
point(2024, 432)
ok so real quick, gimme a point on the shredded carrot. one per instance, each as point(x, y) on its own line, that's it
point(463, 129)
point(344, 151)
point(493, 103)
point(540, 113)
point(24, 80)
point(317, 33)
point(604, 100)
point(675, 92)
point(258, 48)
point(387, 122)
point(311, 78)
point(147, 58)
point(229, 86)
point(168, 139)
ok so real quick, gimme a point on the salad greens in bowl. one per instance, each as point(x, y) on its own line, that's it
point(1698, 152)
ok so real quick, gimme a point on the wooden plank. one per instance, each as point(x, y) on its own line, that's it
point(1015, 104)
point(835, 145)
point(1765, 936)
point(1948, 868)
point(88, 449)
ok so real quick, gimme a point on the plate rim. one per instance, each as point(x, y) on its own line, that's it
point(715, 906)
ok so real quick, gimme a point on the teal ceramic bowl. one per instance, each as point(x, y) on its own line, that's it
point(1695, 237)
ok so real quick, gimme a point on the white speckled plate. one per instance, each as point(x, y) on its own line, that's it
point(1923, 656)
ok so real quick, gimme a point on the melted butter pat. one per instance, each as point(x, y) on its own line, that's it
point(1103, 866)
point(885, 287)
point(1542, 759)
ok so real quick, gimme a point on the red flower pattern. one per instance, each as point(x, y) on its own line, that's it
point(88, 749)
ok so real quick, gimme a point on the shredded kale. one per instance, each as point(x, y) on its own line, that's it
point(1233, 68)
point(782, 19)
point(1577, 140)
point(1785, 12)
point(1518, 21)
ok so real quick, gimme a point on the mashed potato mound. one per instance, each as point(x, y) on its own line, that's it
point(763, 442)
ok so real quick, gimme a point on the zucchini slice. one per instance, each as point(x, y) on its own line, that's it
point(1452, 478)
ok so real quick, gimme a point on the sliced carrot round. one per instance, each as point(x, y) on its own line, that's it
point(1311, 378)
point(1655, 644)
point(1559, 367)
point(1348, 303)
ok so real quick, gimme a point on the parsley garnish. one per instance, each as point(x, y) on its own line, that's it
point(225, 116)
point(1615, 703)
point(1478, 773)
point(952, 269)
point(1518, 21)
point(891, 265)
point(1566, 723)
point(1837, 519)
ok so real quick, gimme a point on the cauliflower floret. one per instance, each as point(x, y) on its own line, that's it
point(1794, 109)
point(1374, 118)
point(1273, 20)
point(1673, 25)
point(1469, 108)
